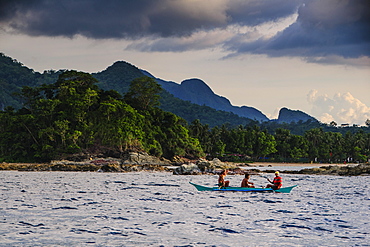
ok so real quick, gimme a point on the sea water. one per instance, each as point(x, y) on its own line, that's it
point(161, 209)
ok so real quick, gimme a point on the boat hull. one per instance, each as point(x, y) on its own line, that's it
point(242, 189)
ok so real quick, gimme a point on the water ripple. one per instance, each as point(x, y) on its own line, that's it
point(159, 209)
point(66, 207)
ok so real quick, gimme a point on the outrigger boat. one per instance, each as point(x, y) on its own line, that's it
point(242, 189)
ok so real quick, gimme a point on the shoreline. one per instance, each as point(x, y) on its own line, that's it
point(231, 164)
point(267, 164)
point(235, 168)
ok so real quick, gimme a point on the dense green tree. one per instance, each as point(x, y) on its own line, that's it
point(298, 148)
point(17, 137)
point(314, 138)
point(336, 146)
point(265, 144)
point(118, 124)
point(216, 146)
point(283, 138)
point(171, 132)
point(356, 146)
point(290, 147)
point(143, 93)
point(202, 133)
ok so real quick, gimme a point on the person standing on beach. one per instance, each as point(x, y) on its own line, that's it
point(246, 183)
point(276, 183)
point(221, 180)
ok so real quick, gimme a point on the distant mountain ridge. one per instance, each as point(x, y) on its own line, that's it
point(118, 77)
point(198, 92)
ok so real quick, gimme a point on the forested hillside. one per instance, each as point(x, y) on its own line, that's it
point(64, 113)
point(73, 115)
point(14, 75)
point(119, 76)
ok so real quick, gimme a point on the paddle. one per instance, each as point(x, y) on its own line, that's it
point(264, 176)
point(258, 175)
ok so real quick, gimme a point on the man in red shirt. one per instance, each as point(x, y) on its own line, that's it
point(276, 183)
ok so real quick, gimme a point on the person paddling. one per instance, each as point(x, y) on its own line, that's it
point(246, 183)
point(221, 179)
point(276, 183)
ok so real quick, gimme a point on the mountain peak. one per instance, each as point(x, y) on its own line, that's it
point(198, 92)
point(120, 66)
point(118, 76)
point(288, 116)
point(196, 85)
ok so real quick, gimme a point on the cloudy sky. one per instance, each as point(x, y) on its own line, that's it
point(307, 55)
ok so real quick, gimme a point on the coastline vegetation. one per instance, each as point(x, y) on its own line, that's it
point(246, 143)
point(75, 115)
point(63, 113)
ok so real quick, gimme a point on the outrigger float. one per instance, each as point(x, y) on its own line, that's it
point(242, 189)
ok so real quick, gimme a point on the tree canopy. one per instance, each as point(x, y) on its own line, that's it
point(73, 115)
point(252, 143)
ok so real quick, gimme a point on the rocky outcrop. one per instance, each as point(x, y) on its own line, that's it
point(141, 158)
point(133, 161)
point(288, 116)
point(145, 167)
point(350, 170)
point(187, 169)
point(203, 166)
point(49, 167)
point(216, 166)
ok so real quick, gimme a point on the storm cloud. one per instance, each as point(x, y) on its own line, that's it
point(332, 28)
point(323, 28)
point(130, 19)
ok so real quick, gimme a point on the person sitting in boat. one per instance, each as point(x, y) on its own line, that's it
point(246, 183)
point(276, 183)
point(221, 179)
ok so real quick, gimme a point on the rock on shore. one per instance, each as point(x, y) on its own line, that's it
point(131, 162)
point(140, 161)
point(349, 170)
point(203, 166)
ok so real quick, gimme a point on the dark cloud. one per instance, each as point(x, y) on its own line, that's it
point(95, 19)
point(130, 19)
point(255, 12)
point(322, 28)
